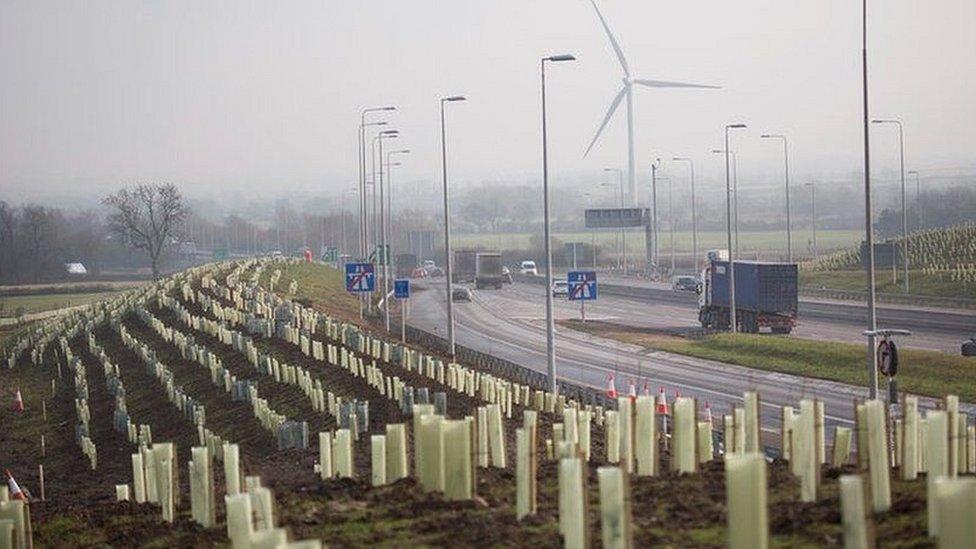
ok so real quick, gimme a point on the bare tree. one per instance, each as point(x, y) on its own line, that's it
point(148, 218)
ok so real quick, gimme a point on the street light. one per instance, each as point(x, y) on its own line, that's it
point(728, 224)
point(918, 201)
point(378, 190)
point(904, 201)
point(694, 212)
point(589, 197)
point(735, 195)
point(378, 181)
point(868, 228)
point(363, 208)
point(362, 169)
point(813, 200)
point(550, 320)
point(447, 226)
point(786, 172)
point(384, 249)
point(671, 223)
point(622, 249)
point(655, 225)
point(342, 206)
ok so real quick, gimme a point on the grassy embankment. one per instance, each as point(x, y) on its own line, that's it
point(921, 283)
point(921, 372)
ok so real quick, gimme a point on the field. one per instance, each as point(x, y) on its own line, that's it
point(922, 372)
point(750, 242)
point(144, 343)
point(31, 299)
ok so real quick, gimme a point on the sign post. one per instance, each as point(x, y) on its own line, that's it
point(401, 291)
point(360, 279)
point(582, 288)
point(886, 361)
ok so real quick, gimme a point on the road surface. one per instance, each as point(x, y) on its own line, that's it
point(510, 324)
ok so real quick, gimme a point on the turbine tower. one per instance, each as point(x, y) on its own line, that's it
point(627, 91)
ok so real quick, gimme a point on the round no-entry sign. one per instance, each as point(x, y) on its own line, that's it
point(887, 357)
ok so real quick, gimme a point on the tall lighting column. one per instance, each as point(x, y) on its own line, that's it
point(868, 228)
point(918, 203)
point(362, 170)
point(447, 227)
point(622, 251)
point(728, 227)
point(550, 320)
point(904, 194)
point(387, 228)
point(694, 213)
point(786, 172)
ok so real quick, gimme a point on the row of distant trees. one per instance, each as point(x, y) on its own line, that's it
point(37, 241)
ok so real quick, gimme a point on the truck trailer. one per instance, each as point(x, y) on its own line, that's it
point(405, 264)
point(465, 266)
point(766, 296)
point(488, 270)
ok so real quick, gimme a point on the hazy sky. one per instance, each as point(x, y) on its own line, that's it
point(221, 97)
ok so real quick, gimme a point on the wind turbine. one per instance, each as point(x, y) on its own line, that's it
point(627, 91)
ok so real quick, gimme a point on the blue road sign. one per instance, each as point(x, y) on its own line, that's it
point(360, 277)
point(582, 285)
point(401, 288)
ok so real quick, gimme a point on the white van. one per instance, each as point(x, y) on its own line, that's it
point(527, 267)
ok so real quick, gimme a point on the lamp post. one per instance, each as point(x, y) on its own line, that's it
point(389, 190)
point(622, 248)
point(550, 320)
point(589, 198)
point(868, 228)
point(342, 207)
point(786, 172)
point(918, 201)
point(384, 248)
point(447, 226)
point(362, 170)
point(378, 214)
point(735, 195)
point(694, 212)
point(670, 224)
point(656, 224)
point(728, 226)
point(904, 199)
point(813, 222)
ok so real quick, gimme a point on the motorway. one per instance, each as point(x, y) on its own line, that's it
point(509, 323)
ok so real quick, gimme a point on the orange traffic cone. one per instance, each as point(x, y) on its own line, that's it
point(647, 389)
point(18, 405)
point(708, 412)
point(15, 491)
point(612, 388)
point(632, 390)
point(662, 402)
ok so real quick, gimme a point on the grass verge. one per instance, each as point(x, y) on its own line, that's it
point(920, 372)
point(921, 283)
point(12, 306)
point(320, 287)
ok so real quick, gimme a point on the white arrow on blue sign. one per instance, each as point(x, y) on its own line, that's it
point(582, 285)
point(401, 288)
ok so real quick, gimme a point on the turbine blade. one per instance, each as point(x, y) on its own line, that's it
point(613, 41)
point(606, 119)
point(665, 84)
